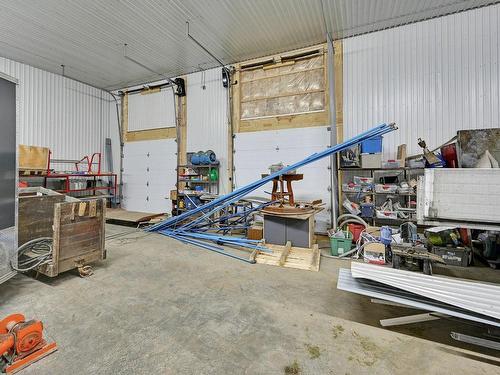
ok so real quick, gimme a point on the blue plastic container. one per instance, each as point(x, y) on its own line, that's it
point(372, 145)
point(367, 210)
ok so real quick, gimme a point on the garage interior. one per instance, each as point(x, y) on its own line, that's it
point(250, 187)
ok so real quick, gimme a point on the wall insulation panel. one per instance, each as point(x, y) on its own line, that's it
point(207, 118)
point(256, 151)
point(149, 175)
point(432, 78)
point(71, 118)
point(151, 110)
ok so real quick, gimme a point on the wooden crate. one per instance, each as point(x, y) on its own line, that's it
point(33, 159)
point(36, 213)
point(77, 228)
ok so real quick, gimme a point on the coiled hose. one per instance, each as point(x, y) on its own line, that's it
point(32, 254)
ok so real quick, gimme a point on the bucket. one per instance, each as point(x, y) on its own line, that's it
point(340, 246)
point(356, 230)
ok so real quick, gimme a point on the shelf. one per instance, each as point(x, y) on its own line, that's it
point(381, 169)
point(199, 166)
point(372, 193)
point(398, 219)
point(199, 181)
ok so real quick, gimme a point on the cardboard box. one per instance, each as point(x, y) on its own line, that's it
point(371, 160)
point(255, 233)
point(33, 158)
point(173, 195)
point(374, 253)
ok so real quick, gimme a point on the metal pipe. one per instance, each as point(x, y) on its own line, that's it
point(334, 208)
point(119, 120)
point(203, 48)
point(223, 201)
point(210, 247)
point(145, 66)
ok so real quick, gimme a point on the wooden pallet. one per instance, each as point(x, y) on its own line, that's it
point(131, 218)
point(290, 257)
point(32, 172)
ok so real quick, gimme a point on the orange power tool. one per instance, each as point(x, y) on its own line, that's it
point(21, 343)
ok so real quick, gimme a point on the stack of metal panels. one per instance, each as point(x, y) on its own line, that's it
point(464, 299)
point(479, 297)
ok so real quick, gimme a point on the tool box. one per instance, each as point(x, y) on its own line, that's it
point(454, 256)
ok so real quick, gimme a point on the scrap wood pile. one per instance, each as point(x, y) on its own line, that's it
point(196, 226)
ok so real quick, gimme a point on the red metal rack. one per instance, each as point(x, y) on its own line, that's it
point(84, 169)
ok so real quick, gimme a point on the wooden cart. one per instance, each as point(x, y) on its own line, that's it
point(77, 227)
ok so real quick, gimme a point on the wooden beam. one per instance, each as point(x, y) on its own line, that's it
point(183, 125)
point(285, 253)
point(338, 68)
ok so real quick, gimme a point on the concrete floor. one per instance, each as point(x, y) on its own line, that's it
point(157, 306)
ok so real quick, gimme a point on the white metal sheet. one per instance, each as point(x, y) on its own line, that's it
point(479, 297)
point(151, 110)
point(365, 287)
point(149, 175)
point(256, 151)
point(207, 119)
point(465, 194)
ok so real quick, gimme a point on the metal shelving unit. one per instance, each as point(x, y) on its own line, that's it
point(347, 174)
point(189, 182)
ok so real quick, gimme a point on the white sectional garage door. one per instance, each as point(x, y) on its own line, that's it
point(149, 175)
point(256, 151)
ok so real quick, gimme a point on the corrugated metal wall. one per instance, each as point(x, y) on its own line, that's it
point(71, 118)
point(207, 118)
point(432, 78)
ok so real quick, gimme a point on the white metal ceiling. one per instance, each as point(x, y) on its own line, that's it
point(88, 36)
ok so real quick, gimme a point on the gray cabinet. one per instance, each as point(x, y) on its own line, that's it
point(8, 172)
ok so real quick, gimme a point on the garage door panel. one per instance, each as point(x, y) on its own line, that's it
point(149, 175)
point(256, 151)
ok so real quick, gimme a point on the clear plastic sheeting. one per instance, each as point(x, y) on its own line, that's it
point(291, 88)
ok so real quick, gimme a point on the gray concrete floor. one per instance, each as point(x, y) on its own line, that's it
point(157, 306)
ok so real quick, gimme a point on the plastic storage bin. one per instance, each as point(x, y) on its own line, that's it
point(371, 160)
point(341, 245)
point(386, 188)
point(372, 145)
